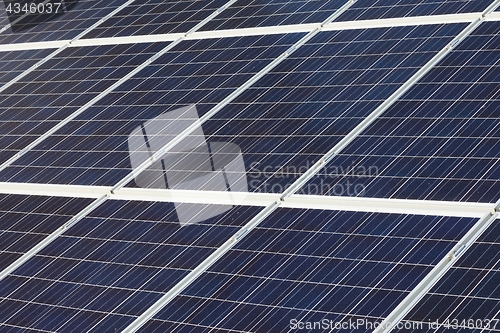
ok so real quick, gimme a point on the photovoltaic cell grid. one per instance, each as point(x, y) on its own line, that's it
point(310, 265)
point(156, 17)
point(469, 291)
point(112, 266)
point(382, 9)
point(27, 220)
point(14, 63)
point(440, 141)
point(93, 149)
point(262, 13)
point(66, 26)
point(52, 92)
point(296, 113)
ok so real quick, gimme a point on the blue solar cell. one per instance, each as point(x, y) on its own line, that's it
point(66, 26)
point(381, 9)
point(47, 95)
point(440, 141)
point(114, 264)
point(296, 113)
point(468, 296)
point(259, 13)
point(14, 63)
point(26, 220)
point(313, 265)
point(147, 17)
point(93, 149)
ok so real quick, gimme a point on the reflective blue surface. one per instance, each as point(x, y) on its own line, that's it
point(296, 113)
point(440, 141)
point(93, 150)
point(310, 264)
point(112, 266)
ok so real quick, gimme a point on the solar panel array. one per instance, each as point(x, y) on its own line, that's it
point(313, 264)
point(367, 110)
point(440, 140)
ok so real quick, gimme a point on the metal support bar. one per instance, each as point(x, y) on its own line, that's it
point(54, 190)
point(373, 205)
point(258, 31)
point(496, 209)
point(435, 274)
point(390, 206)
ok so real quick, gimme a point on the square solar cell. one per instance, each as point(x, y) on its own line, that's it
point(382, 9)
point(278, 128)
point(439, 141)
point(147, 17)
point(96, 148)
point(72, 20)
point(262, 13)
point(14, 63)
point(114, 264)
point(312, 265)
point(467, 298)
point(27, 220)
point(59, 87)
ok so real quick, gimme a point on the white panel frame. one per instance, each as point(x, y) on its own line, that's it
point(260, 31)
point(299, 201)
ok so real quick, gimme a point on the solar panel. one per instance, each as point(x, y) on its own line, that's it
point(290, 118)
point(16, 62)
point(382, 9)
point(26, 220)
point(112, 265)
point(440, 141)
point(156, 17)
point(68, 25)
point(262, 13)
point(467, 298)
point(93, 149)
point(303, 266)
point(59, 87)
point(262, 97)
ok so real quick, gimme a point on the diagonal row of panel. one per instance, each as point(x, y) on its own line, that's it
point(76, 319)
point(68, 323)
